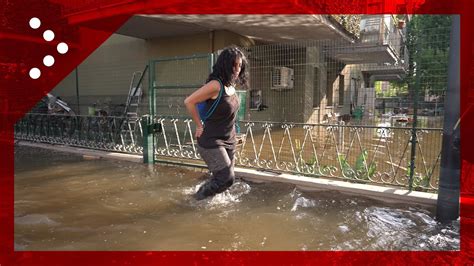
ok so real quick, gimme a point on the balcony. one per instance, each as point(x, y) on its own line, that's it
point(381, 41)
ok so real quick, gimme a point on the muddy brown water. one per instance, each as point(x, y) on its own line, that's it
point(68, 202)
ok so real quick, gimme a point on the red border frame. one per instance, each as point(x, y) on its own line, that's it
point(19, 51)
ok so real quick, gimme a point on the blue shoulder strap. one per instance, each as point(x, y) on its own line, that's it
point(215, 103)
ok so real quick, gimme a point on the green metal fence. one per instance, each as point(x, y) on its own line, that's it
point(172, 78)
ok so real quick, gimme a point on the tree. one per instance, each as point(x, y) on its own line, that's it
point(428, 47)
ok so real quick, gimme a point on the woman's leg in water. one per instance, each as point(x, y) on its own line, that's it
point(220, 162)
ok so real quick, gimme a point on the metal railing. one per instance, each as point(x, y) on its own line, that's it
point(94, 132)
point(376, 31)
point(368, 154)
point(363, 154)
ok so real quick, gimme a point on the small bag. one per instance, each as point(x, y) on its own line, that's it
point(205, 113)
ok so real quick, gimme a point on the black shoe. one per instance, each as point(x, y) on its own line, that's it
point(208, 189)
point(225, 186)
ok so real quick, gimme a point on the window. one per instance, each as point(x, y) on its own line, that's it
point(341, 89)
point(316, 89)
point(255, 100)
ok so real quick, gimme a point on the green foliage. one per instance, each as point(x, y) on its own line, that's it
point(361, 161)
point(400, 88)
point(372, 168)
point(311, 161)
point(394, 89)
point(421, 182)
point(301, 162)
point(428, 46)
point(359, 170)
point(345, 166)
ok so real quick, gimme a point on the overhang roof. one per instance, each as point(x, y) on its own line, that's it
point(266, 28)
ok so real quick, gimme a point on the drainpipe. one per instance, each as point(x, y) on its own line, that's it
point(448, 193)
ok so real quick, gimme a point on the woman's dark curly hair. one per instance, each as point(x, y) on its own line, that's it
point(223, 68)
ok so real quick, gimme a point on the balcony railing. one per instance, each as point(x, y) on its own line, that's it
point(382, 30)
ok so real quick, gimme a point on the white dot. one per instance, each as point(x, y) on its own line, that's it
point(48, 35)
point(48, 60)
point(35, 23)
point(62, 48)
point(35, 73)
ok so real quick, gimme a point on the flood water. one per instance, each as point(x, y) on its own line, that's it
point(68, 202)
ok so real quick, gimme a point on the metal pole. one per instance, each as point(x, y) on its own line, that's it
point(148, 139)
point(414, 138)
point(448, 193)
point(151, 88)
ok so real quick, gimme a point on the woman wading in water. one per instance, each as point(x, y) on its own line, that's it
point(216, 136)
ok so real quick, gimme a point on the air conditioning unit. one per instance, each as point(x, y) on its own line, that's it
point(282, 78)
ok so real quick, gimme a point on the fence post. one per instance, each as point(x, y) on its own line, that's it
point(448, 193)
point(414, 139)
point(148, 140)
point(151, 88)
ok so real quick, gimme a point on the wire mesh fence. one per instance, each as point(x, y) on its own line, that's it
point(172, 79)
point(369, 109)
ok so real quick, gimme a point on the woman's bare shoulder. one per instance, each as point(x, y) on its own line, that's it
point(214, 83)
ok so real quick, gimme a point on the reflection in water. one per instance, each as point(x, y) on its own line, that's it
point(66, 202)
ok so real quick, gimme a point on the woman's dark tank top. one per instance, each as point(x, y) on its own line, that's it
point(219, 128)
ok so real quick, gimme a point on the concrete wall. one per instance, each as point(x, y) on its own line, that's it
point(313, 83)
point(330, 77)
point(317, 113)
point(285, 104)
point(298, 104)
point(104, 77)
point(354, 84)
